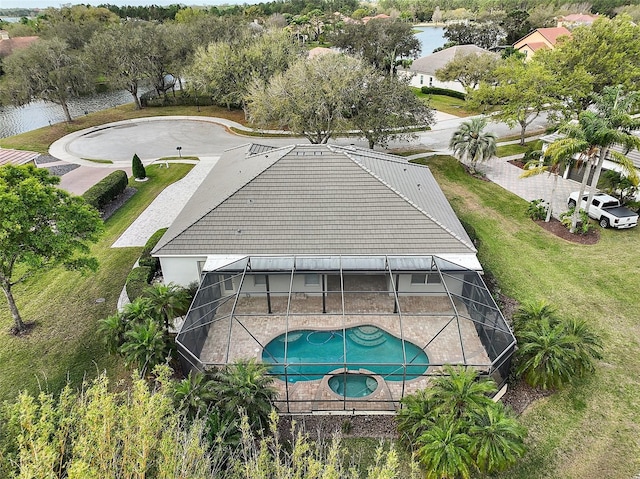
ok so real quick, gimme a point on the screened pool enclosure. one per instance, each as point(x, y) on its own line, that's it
point(345, 333)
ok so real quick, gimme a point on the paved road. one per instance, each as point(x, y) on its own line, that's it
point(207, 138)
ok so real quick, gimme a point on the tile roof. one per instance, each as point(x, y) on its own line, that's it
point(316, 199)
point(430, 63)
point(16, 157)
point(552, 34)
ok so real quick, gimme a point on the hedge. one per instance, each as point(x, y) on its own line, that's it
point(107, 189)
point(145, 258)
point(137, 281)
point(443, 91)
point(183, 98)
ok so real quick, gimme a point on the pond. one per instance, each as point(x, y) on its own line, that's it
point(16, 120)
point(430, 39)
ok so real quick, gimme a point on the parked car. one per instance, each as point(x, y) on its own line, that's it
point(606, 210)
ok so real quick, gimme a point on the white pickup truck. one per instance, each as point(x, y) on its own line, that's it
point(606, 210)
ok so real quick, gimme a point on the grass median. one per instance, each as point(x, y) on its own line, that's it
point(66, 307)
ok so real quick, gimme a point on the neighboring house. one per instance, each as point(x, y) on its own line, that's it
point(575, 172)
point(310, 257)
point(379, 16)
point(539, 39)
point(577, 20)
point(423, 70)
point(9, 45)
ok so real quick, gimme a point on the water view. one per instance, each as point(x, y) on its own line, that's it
point(430, 39)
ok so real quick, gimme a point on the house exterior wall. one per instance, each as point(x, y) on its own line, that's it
point(533, 37)
point(418, 80)
point(181, 270)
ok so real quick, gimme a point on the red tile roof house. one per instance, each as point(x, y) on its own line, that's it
point(315, 258)
point(540, 38)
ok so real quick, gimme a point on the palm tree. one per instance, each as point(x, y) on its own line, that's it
point(416, 415)
point(112, 328)
point(245, 385)
point(461, 393)
point(591, 139)
point(532, 311)
point(443, 450)
point(470, 143)
point(145, 345)
point(554, 166)
point(553, 352)
point(138, 311)
point(615, 106)
point(497, 440)
point(193, 395)
point(167, 301)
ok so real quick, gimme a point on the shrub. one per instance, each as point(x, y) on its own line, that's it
point(537, 209)
point(138, 168)
point(471, 231)
point(107, 189)
point(138, 280)
point(145, 257)
point(584, 224)
point(428, 90)
point(183, 98)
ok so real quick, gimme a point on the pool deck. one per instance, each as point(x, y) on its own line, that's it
point(445, 337)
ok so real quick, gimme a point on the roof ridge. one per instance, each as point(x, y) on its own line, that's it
point(403, 196)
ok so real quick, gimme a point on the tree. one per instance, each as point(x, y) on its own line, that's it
point(146, 345)
point(168, 301)
point(75, 24)
point(312, 98)
point(469, 69)
point(383, 43)
point(386, 107)
point(42, 227)
point(458, 429)
point(496, 440)
point(522, 91)
point(484, 35)
point(444, 451)
point(588, 141)
point(470, 143)
point(225, 70)
point(609, 50)
point(245, 385)
point(137, 168)
point(45, 70)
point(516, 25)
point(553, 352)
point(124, 54)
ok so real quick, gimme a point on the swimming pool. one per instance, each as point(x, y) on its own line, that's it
point(311, 354)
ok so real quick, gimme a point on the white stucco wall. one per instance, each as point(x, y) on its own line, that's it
point(181, 270)
point(419, 80)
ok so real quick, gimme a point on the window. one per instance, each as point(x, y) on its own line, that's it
point(425, 278)
point(311, 279)
point(228, 282)
point(421, 79)
point(260, 279)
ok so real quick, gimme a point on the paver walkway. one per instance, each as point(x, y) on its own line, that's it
point(166, 206)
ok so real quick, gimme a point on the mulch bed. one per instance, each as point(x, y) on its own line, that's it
point(325, 427)
point(519, 163)
point(555, 227)
point(520, 396)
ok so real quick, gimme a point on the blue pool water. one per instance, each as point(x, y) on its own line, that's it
point(353, 385)
point(311, 354)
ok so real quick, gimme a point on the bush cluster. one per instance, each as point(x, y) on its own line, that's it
point(107, 189)
point(145, 257)
point(138, 280)
point(182, 98)
point(429, 90)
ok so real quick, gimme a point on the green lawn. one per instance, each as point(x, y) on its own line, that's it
point(446, 104)
point(63, 304)
point(590, 430)
point(516, 149)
